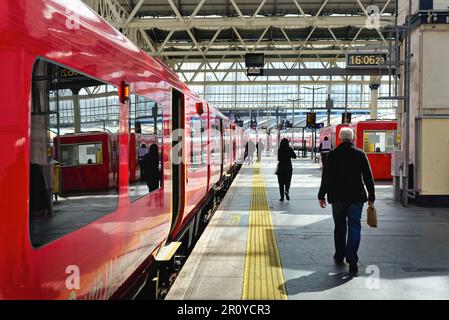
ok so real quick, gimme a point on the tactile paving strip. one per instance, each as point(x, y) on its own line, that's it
point(263, 278)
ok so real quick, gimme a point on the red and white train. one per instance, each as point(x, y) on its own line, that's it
point(62, 64)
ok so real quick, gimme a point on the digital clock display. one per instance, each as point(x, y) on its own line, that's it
point(365, 59)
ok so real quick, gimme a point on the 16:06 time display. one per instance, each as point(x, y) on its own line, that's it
point(364, 60)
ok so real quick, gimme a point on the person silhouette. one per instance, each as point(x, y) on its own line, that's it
point(284, 169)
point(151, 167)
point(260, 146)
point(251, 147)
point(140, 155)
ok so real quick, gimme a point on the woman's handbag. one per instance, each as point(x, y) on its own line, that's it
point(371, 216)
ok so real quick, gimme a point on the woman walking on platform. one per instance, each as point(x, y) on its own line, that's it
point(284, 169)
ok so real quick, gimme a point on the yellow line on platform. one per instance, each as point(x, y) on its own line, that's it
point(263, 277)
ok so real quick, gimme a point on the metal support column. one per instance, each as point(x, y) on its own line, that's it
point(268, 143)
point(76, 111)
point(374, 86)
point(278, 132)
point(293, 125)
point(346, 94)
point(304, 151)
point(405, 168)
point(329, 93)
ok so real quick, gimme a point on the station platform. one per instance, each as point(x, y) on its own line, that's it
point(256, 247)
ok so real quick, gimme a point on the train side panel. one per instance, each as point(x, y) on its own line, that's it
point(197, 157)
point(215, 150)
point(107, 251)
point(104, 254)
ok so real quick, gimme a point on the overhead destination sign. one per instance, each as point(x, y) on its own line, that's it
point(254, 60)
point(311, 120)
point(68, 74)
point(366, 60)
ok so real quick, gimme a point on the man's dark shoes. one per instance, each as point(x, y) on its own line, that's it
point(353, 268)
point(287, 196)
point(338, 261)
point(281, 199)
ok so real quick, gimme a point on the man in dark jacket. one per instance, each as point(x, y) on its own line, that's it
point(345, 175)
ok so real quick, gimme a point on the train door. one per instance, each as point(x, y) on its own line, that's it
point(222, 147)
point(178, 166)
point(208, 146)
point(234, 148)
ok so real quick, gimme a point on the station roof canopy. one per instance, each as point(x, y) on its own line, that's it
point(226, 8)
point(226, 29)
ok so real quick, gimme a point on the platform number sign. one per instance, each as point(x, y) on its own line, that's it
point(311, 120)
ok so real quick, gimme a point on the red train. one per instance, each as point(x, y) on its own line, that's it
point(298, 141)
point(78, 95)
point(376, 138)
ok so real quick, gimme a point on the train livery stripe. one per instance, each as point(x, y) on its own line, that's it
point(263, 277)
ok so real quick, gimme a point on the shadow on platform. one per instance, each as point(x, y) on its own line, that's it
point(317, 281)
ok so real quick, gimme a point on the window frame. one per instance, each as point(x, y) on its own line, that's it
point(196, 154)
point(78, 144)
point(159, 137)
point(41, 59)
point(388, 131)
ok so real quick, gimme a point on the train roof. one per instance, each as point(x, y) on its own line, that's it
point(70, 33)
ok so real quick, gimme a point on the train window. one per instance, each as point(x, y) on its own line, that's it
point(73, 151)
point(378, 141)
point(215, 153)
point(227, 139)
point(203, 142)
point(145, 165)
point(81, 154)
point(195, 141)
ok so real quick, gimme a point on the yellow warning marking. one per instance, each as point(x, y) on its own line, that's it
point(263, 278)
point(235, 219)
point(166, 253)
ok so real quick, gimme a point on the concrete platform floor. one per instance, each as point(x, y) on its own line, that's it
point(406, 257)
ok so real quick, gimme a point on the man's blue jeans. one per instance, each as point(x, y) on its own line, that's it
point(347, 220)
